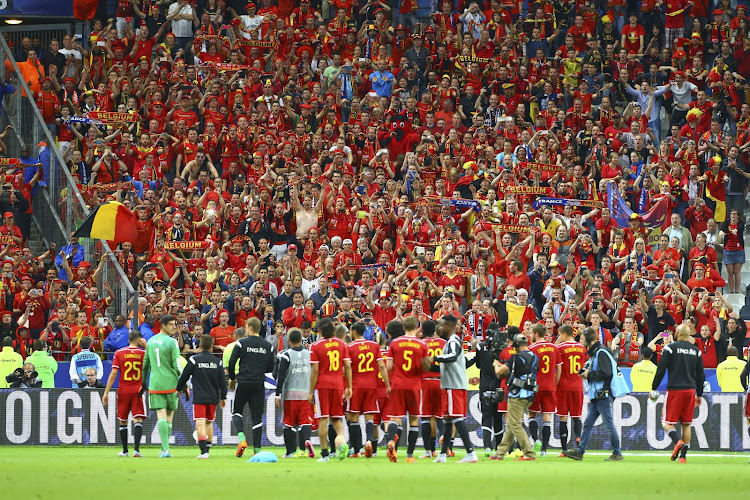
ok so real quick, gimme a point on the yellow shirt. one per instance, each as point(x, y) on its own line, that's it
point(9, 361)
point(728, 374)
point(642, 376)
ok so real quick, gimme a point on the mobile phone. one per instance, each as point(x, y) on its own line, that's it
point(665, 334)
point(669, 276)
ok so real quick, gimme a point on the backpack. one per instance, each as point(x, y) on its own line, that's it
point(618, 387)
point(524, 377)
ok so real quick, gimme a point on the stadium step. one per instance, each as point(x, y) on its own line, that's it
point(36, 243)
point(736, 300)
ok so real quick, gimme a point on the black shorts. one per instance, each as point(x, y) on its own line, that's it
point(252, 394)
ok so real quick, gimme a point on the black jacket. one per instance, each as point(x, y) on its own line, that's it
point(603, 372)
point(209, 382)
point(685, 365)
point(255, 356)
point(484, 361)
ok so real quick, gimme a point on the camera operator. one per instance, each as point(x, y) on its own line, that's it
point(490, 390)
point(598, 371)
point(24, 378)
point(521, 370)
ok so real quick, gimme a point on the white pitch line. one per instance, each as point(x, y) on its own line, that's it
point(694, 453)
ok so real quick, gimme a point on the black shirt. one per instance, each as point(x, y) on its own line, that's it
point(255, 356)
point(658, 324)
point(685, 365)
point(209, 382)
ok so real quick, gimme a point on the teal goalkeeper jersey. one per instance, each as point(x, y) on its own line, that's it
point(162, 362)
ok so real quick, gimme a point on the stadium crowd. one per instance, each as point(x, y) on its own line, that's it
point(356, 161)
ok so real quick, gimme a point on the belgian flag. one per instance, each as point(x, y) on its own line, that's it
point(111, 221)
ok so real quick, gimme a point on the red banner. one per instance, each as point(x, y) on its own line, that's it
point(510, 228)
point(9, 161)
point(186, 245)
point(544, 167)
point(7, 239)
point(543, 191)
point(112, 117)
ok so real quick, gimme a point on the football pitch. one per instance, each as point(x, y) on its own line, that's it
point(97, 472)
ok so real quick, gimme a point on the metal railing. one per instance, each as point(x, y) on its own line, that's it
point(59, 207)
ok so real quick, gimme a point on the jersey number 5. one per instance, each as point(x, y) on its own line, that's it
point(407, 361)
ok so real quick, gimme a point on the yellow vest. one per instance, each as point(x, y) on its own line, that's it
point(9, 361)
point(728, 374)
point(642, 376)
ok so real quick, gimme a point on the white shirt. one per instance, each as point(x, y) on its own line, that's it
point(182, 28)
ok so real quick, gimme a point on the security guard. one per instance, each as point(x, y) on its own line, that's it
point(728, 372)
point(521, 370)
point(9, 361)
point(642, 373)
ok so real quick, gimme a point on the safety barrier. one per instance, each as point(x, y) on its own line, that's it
point(78, 417)
point(59, 207)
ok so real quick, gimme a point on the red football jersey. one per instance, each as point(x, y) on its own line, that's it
point(329, 354)
point(434, 348)
point(365, 355)
point(129, 361)
point(549, 358)
point(573, 356)
point(407, 354)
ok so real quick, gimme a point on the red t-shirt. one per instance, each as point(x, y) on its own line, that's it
point(222, 335)
point(129, 361)
point(365, 355)
point(329, 354)
point(407, 354)
point(573, 356)
point(549, 358)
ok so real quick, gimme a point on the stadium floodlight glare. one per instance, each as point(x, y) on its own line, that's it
point(13, 21)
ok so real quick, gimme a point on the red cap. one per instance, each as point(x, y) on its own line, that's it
point(349, 284)
point(660, 297)
point(652, 267)
point(3, 313)
point(222, 311)
point(8, 214)
point(26, 278)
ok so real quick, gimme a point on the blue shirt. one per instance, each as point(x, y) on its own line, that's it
point(642, 99)
point(382, 82)
point(76, 251)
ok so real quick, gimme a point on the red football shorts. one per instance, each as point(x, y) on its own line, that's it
point(329, 403)
point(130, 403)
point(207, 412)
point(544, 402)
point(382, 404)
point(679, 406)
point(432, 399)
point(569, 403)
point(454, 403)
point(747, 406)
point(402, 401)
point(363, 401)
point(297, 412)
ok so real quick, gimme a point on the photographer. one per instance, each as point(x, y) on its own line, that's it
point(490, 390)
point(599, 372)
point(24, 378)
point(521, 370)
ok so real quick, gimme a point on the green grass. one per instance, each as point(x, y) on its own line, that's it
point(96, 472)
